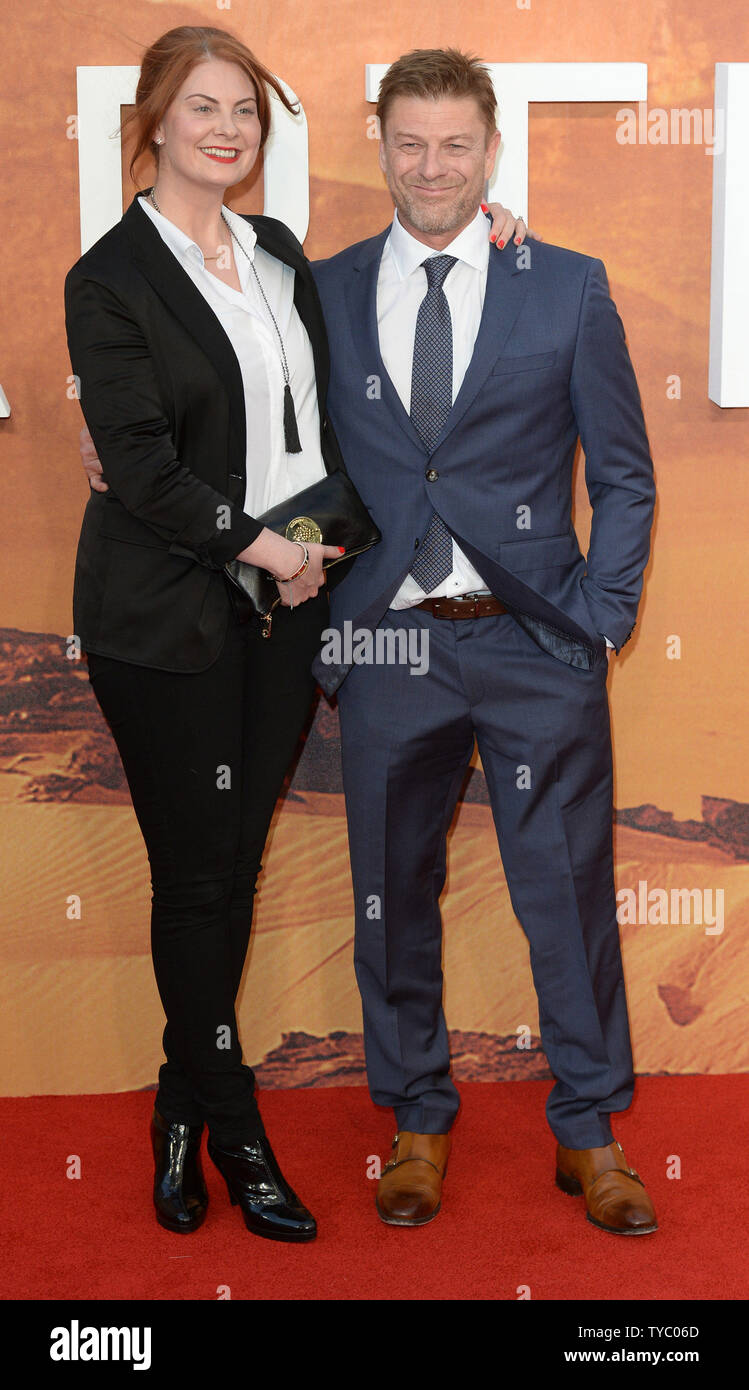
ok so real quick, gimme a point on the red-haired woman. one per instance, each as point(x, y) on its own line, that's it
point(198, 339)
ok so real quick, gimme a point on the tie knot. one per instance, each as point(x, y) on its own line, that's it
point(437, 270)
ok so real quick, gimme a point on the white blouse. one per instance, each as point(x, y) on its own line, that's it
point(272, 474)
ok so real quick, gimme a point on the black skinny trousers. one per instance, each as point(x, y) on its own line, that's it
point(205, 756)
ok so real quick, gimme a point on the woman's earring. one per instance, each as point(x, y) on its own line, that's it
point(159, 140)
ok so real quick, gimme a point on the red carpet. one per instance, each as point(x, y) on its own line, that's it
point(503, 1222)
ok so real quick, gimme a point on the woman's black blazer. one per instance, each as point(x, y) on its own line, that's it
point(161, 392)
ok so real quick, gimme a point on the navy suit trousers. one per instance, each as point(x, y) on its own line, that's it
point(543, 734)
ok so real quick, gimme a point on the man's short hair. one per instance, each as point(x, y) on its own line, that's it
point(439, 72)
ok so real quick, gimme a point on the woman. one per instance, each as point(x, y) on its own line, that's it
point(198, 341)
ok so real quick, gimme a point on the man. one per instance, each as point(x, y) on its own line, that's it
point(459, 385)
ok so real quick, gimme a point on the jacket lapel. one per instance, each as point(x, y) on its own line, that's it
point(506, 288)
point(174, 286)
point(361, 300)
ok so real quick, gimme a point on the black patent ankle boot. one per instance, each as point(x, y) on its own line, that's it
point(255, 1182)
point(179, 1190)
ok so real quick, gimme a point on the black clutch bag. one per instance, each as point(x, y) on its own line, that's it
point(330, 512)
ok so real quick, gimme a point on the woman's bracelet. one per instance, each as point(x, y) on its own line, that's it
point(305, 562)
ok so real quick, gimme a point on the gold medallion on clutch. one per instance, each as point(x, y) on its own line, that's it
point(303, 528)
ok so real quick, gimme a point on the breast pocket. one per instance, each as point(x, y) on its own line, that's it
point(536, 362)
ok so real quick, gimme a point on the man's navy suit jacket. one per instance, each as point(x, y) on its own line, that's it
point(550, 364)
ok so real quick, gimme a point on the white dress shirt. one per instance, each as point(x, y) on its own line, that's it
point(272, 474)
point(401, 287)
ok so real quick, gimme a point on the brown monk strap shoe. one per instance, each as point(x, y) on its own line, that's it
point(614, 1193)
point(410, 1189)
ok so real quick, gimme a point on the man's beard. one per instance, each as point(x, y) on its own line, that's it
point(435, 221)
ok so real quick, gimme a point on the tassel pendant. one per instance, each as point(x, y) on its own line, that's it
point(292, 441)
point(290, 430)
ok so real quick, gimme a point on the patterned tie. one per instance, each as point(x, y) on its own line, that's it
point(431, 402)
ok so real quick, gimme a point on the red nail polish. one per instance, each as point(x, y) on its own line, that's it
point(500, 244)
point(517, 240)
point(341, 550)
point(484, 208)
point(493, 236)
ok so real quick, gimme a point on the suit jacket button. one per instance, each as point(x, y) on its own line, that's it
point(432, 475)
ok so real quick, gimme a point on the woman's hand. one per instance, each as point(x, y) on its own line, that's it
point(294, 591)
point(282, 558)
point(506, 225)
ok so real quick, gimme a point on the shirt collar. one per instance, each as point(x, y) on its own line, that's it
point(471, 245)
point(183, 245)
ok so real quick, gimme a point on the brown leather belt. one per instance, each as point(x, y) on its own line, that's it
point(465, 606)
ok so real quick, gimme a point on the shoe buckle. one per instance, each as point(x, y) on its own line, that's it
point(391, 1163)
point(629, 1169)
